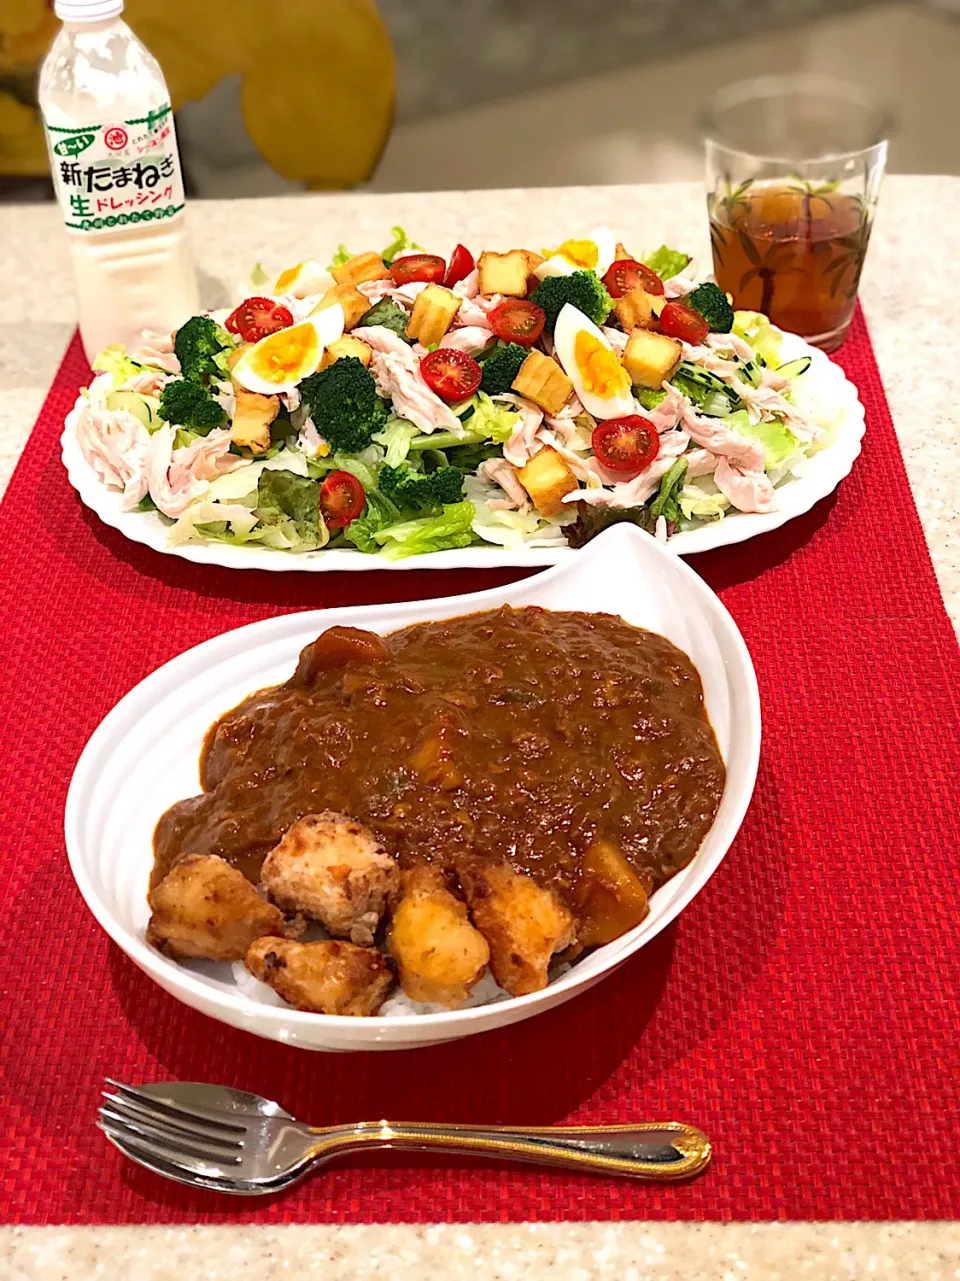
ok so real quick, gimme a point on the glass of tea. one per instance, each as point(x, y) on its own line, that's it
point(794, 164)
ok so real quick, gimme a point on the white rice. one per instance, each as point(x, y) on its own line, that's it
point(397, 1006)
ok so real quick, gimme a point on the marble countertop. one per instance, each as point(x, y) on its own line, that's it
point(911, 282)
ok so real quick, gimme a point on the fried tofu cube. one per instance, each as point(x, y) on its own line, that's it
point(347, 346)
point(432, 314)
point(252, 418)
point(610, 896)
point(440, 956)
point(331, 868)
point(546, 478)
point(650, 359)
point(204, 907)
point(361, 268)
point(542, 380)
point(350, 299)
point(523, 923)
point(326, 977)
point(635, 310)
point(504, 273)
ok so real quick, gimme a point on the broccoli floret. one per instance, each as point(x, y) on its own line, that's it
point(501, 367)
point(420, 491)
point(711, 302)
point(342, 400)
point(187, 404)
point(196, 344)
point(389, 315)
point(584, 289)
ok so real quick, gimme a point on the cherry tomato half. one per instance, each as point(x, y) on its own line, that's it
point(461, 264)
point(625, 444)
point(517, 320)
point(342, 499)
point(626, 273)
point(255, 318)
point(452, 374)
point(411, 267)
point(680, 321)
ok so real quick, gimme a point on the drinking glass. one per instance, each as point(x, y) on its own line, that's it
point(794, 165)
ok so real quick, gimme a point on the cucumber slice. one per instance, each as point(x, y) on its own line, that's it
point(794, 368)
point(144, 408)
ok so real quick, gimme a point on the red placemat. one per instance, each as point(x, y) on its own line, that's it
point(802, 1011)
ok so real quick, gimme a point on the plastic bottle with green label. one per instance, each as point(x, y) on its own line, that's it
point(116, 172)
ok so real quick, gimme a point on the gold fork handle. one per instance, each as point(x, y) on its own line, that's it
point(651, 1150)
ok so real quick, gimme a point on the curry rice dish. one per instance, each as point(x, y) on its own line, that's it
point(501, 790)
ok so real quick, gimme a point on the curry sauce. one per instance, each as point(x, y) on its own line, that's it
point(522, 736)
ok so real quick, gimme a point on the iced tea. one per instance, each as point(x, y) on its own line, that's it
point(793, 251)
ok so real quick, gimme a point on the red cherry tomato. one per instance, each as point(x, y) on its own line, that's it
point(255, 318)
point(342, 499)
point(411, 267)
point(680, 321)
point(517, 320)
point(626, 273)
point(461, 264)
point(625, 444)
point(452, 374)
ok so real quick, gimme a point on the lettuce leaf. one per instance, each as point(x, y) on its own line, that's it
point(453, 528)
point(113, 360)
point(364, 466)
point(400, 242)
point(700, 504)
point(778, 441)
point(396, 438)
point(649, 397)
point(285, 499)
point(755, 328)
point(379, 513)
point(666, 262)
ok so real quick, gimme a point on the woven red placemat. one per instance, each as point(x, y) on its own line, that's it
point(803, 1010)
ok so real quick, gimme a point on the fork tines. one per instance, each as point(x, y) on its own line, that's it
point(168, 1131)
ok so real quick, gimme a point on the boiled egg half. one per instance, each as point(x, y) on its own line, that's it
point(304, 280)
point(279, 361)
point(592, 365)
point(595, 253)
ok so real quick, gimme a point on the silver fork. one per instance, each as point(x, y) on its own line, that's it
point(211, 1136)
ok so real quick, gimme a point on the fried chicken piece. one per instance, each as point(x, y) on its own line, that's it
point(331, 868)
point(327, 977)
point(439, 954)
point(523, 923)
point(204, 907)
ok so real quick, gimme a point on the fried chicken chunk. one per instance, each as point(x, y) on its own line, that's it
point(327, 977)
point(439, 954)
point(206, 908)
point(331, 868)
point(523, 923)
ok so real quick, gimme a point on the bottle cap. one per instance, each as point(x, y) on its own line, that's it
point(87, 10)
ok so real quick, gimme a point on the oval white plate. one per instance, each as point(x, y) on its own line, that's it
point(826, 384)
point(144, 756)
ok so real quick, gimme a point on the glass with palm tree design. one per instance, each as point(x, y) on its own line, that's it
point(794, 165)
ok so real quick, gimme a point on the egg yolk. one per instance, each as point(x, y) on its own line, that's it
point(582, 253)
point(600, 370)
point(287, 278)
point(579, 253)
point(285, 354)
